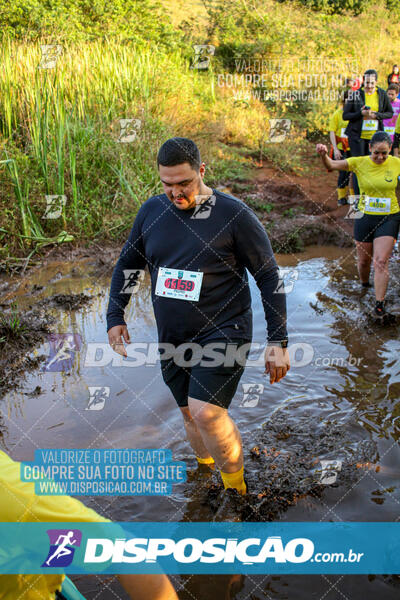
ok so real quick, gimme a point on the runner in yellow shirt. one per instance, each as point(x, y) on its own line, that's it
point(376, 224)
point(19, 503)
point(340, 149)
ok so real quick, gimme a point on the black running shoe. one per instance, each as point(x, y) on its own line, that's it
point(379, 308)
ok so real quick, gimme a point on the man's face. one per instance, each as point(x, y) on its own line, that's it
point(379, 152)
point(369, 84)
point(181, 184)
point(392, 95)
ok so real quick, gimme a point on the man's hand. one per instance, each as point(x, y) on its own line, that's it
point(116, 335)
point(321, 149)
point(367, 113)
point(277, 362)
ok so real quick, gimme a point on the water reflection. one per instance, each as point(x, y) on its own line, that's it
point(325, 311)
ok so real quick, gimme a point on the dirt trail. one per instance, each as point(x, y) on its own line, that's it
point(297, 211)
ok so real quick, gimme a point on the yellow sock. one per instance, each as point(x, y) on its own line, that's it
point(351, 192)
point(234, 480)
point(205, 461)
point(342, 193)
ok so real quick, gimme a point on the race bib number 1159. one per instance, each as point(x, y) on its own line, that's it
point(179, 284)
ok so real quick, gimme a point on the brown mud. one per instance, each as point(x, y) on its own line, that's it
point(67, 301)
point(38, 314)
point(16, 346)
point(284, 466)
point(297, 211)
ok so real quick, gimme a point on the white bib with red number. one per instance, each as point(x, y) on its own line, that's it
point(179, 284)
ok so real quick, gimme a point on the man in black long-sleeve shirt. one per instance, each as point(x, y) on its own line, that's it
point(197, 243)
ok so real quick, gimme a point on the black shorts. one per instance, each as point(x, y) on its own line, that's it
point(216, 383)
point(370, 227)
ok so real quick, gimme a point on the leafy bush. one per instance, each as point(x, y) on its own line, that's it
point(136, 20)
point(338, 6)
point(355, 7)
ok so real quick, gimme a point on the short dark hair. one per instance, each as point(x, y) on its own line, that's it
point(395, 87)
point(381, 136)
point(178, 150)
point(371, 72)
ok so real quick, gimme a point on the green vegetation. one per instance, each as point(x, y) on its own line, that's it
point(11, 325)
point(261, 206)
point(131, 59)
point(338, 6)
point(355, 7)
point(60, 135)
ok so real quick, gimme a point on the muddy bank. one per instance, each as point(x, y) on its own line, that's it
point(294, 217)
point(20, 334)
point(30, 310)
point(102, 258)
point(297, 211)
point(67, 301)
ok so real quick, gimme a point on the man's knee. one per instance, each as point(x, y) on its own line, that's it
point(203, 413)
point(381, 263)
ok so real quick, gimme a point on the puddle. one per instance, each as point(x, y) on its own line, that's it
point(340, 403)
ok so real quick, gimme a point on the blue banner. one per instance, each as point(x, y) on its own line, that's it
point(194, 548)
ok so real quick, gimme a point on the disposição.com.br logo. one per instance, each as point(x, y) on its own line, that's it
point(63, 543)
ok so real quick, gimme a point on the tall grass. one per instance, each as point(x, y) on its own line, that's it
point(60, 126)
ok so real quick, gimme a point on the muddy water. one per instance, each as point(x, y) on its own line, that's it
point(340, 401)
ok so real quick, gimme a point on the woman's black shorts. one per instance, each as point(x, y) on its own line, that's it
point(369, 227)
point(211, 376)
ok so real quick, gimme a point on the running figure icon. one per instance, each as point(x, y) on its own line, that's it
point(62, 549)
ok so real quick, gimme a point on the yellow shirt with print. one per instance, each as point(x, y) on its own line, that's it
point(338, 125)
point(377, 184)
point(370, 126)
point(18, 503)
